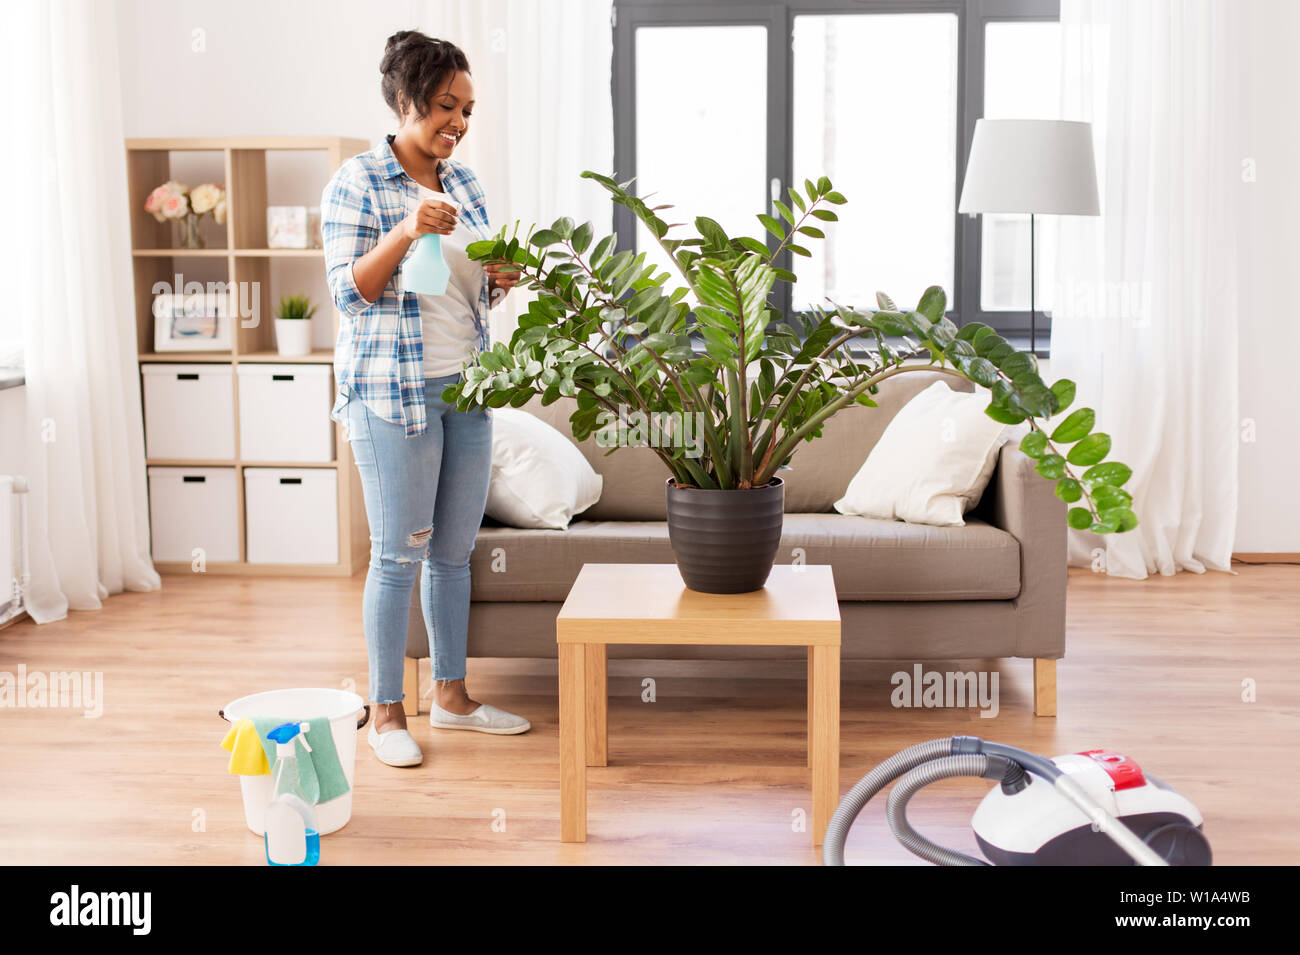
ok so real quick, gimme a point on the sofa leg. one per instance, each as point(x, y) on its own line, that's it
point(411, 687)
point(1044, 687)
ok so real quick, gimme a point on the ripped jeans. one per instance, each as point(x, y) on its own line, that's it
point(424, 499)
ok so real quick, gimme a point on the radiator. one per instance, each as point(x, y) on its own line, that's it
point(13, 546)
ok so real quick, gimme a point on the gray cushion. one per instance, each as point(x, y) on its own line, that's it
point(819, 473)
point(872, 559)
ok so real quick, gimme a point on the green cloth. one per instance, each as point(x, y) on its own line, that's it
point(320, 772)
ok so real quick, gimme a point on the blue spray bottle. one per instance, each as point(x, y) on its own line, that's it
point(425, 270)
point(292, 836)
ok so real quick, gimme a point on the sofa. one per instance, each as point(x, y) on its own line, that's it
point(908, 592)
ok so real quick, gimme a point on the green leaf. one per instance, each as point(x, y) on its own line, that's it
point(1090, 450)
point(1122, 517)
point(795, 198)
point(982, 372)
point(813, 231)
point(782, 208)
point(1080, 518)
point(836, 198)
point(1064, 391)
point(823, 185)
point(1005, 415)
point(885, 302)
point(1106, 497)
point(1051, 466)
point(826, 215)
point(1112, 473)
point(1105, 527)
point(1075, 427)
point(932, 304)
point(1034, 444)
point(1069, 490)
point(771, 225)
point(563, 227)
point(543, 237)
point(581, 238)
point(799, 250)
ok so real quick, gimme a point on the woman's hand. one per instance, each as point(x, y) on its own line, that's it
point(502, 277)
point(431, 215)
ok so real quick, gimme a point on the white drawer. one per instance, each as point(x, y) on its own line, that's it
point(189, 411)
point(284, 413)
point(292, 515)
point(194, 509)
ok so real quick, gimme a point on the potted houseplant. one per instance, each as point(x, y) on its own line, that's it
point(293, 326)
point(606, 330)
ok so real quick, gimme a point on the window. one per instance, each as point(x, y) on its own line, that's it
point(720, 106)
point(686, 108)
point(884, 146)
point(1022, 71)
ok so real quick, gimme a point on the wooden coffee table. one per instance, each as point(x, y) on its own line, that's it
point(649, 604)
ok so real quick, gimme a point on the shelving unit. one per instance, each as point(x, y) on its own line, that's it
point(243, 258)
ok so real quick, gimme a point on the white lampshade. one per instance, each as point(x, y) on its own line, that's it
point(1031, 165)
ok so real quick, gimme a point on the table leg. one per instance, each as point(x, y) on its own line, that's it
point(824, 671)
point(573, 744)
point(597, 705)
point(812, 682)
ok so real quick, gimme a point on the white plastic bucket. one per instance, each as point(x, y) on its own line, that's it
point(340, 707)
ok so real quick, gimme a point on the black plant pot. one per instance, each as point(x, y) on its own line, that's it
point(725, 541)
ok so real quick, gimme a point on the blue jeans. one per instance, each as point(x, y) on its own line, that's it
point(424, 499)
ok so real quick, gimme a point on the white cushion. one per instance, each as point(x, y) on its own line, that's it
point(932, 463)
point(539, 477)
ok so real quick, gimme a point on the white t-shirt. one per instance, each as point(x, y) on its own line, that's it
point(447, 320)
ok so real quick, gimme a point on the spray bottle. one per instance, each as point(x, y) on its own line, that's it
point(292, 836)
point(425, 270)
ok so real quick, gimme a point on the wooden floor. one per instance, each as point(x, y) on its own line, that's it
point(712, 772)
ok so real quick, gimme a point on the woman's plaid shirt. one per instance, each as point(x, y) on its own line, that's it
point(379, 354)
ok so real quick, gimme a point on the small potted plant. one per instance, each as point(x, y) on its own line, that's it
point(176, 202)
point(293, 326)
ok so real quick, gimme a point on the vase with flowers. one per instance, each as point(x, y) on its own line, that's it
point(176, 202)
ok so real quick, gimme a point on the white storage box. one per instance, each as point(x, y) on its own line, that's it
point(284, 413)
point(189, 411)
point(292, 515)
point(194, 508)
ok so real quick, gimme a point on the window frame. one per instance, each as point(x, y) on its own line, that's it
point(778, 16)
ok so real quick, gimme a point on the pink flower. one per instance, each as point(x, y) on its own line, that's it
point(153, 205)
point(175, 207)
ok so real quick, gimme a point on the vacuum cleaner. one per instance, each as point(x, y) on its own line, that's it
point(1091, 808)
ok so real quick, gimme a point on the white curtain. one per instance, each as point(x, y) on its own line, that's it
point(1147, 308)
point(67, 253)
point(544, 112)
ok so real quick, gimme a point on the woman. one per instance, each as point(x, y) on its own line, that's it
point(424, 465)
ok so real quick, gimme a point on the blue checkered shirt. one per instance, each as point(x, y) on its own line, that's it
point(379, 354)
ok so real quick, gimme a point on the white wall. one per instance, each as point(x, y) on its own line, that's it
point(1268, 518)
point(259, 68)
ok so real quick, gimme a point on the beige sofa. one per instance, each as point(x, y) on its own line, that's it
point(908, 592)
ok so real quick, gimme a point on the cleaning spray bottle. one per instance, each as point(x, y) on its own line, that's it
point(425, 270)
point(292, 836)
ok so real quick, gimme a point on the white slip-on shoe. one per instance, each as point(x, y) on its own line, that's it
point(486, 719)
point(395, 747)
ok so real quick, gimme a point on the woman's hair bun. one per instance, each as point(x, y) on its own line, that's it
point(413, 66)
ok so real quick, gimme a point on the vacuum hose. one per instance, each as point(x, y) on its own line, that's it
point(936, 759)
point(987, 767)
point(837, 830)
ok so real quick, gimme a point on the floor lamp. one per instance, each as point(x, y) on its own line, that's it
point(1034, 166)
